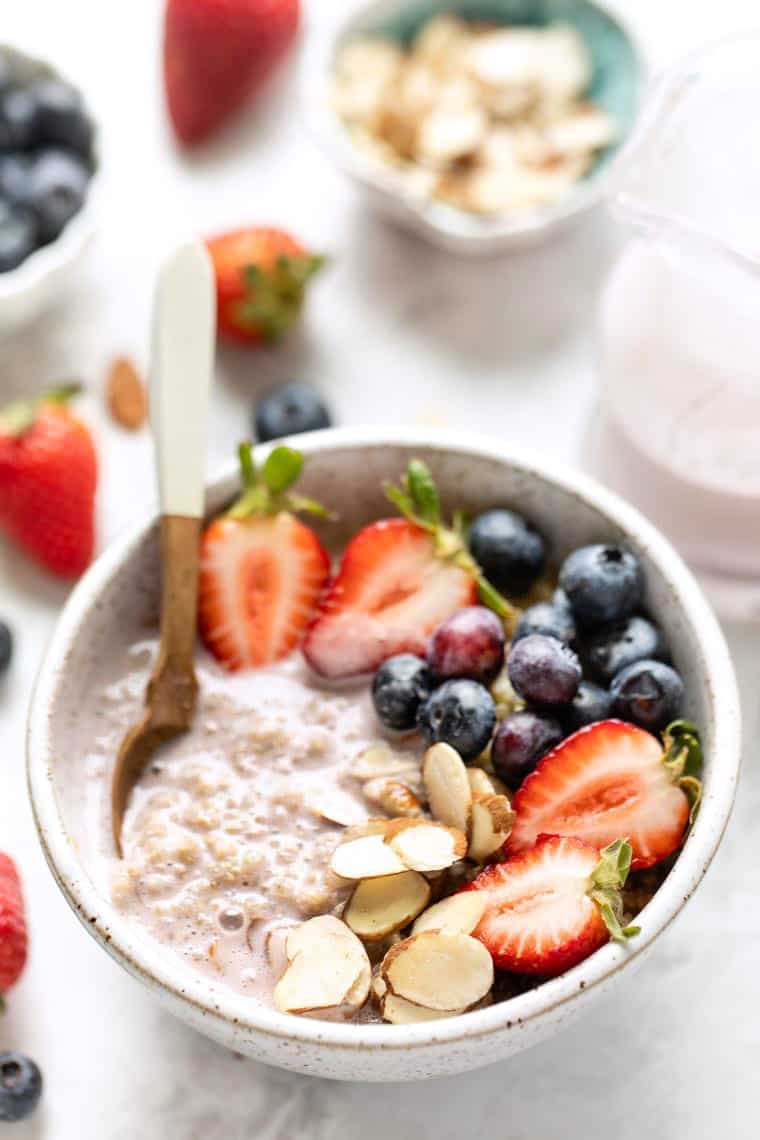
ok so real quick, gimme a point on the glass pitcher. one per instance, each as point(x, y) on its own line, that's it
point(679, 328)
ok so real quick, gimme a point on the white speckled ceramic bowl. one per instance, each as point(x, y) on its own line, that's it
point(345, 468)
point(38, 282)
point(618, 75)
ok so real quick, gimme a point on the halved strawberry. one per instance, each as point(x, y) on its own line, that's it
point(551, 906)
point(398, 579)
point(389, 594)
point(609, 779)
point(262, 571)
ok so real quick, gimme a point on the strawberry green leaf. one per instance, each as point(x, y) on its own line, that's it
point(281, 469)
point(18, 416)
point(608, 877)
point(683, 748)
point(423, 491)
point(308, 506)
point(248, 472)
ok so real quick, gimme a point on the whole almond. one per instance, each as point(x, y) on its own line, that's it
point(125, 395)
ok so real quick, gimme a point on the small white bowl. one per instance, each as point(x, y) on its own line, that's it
point(41, 279)
point(619, 75)
point(345, 468)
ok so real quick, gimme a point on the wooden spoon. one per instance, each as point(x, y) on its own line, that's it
point(184, 332)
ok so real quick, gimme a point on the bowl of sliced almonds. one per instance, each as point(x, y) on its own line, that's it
point(463, 749)
point(480, 124)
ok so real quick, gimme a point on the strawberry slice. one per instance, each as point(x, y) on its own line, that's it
point(398, 579)
point(262, 570)
point(552, 905)
point(611, 779)
point(390, 593)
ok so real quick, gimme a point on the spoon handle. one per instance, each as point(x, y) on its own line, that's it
point(184, 333)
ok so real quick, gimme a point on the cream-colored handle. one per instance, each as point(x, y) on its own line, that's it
point(184, 337)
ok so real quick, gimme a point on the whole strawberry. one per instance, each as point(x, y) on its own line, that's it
point(13, 942)
point(48, 476)
point(218, 53)
point(261, 280)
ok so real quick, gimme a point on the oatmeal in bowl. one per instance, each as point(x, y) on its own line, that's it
point(445, 770)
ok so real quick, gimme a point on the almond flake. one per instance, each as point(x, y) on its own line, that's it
point(366, 858)
point(439, 971)
point(328, 967)
point(492, 819)
point(449, 134)
point(371, 826)
point(427, 846)
point(380, 760)
point(589, 129)
point(379, 907)
point(447, 786)
point(441, 44)
point(458, 914)
point(480, 782)
point(379, 988)
point(125, 395)
point(393, 795)
point(399, 1011)
point(336, 806)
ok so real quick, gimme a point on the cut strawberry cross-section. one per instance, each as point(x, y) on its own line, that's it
point(398, 580)
point(613, 779)
point(262, 570)
point(552, 905)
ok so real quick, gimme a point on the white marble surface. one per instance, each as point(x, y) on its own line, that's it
point(396, 333)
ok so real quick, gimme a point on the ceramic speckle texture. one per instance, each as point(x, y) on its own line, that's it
point(345, 468)
point(618, 75)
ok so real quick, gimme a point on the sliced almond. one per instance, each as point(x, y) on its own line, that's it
point(366, 858)
point(492, 819)
point(372, 826)
point(275, 947)
point(439, 971)
point(125, 394)
point(428, 846)
point(447, 786)
point(336, 806)
point(392, 795)
point(588, 129)
point(379, 988)
point(328, 967)
point(441, 44)
point(380, 907)
point(458, 914)
point(448, 134)
point(380, 760)
point(399, 1011)
point(480, 782)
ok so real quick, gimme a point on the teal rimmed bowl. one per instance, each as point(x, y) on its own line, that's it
point(618, 74)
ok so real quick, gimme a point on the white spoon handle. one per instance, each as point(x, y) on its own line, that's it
point(184, 336)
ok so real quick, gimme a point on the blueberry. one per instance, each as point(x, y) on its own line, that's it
point(61, 116)
point(609, 650)
point(14, 178)
point(460, 713)
point(468, 644)
point(18, 235)
point(544, 670)
point(647, 693)
point(57, 190)
point(511, 554)
point(289, 409)
point(590, 704)
point(603, 583)
point(18, 119)
point(399, 687)
point(20, 1086)
point(6, 646)
point(521, 740)
point(548, 618)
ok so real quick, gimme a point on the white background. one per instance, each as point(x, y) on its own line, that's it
point(396, 333)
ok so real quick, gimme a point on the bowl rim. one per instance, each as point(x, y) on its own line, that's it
point(78, 231)
point(436, 217)
point(143, 957)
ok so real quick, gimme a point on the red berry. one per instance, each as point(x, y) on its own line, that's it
point(468, 644)
point(13, 940)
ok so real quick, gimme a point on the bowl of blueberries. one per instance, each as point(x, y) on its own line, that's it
point(48, 170)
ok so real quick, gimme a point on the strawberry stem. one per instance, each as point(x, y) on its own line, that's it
point(608, 877)
point(683, 760)
point(417, 499)
point(18, 416)
point(266, 490)
point(275, 296)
